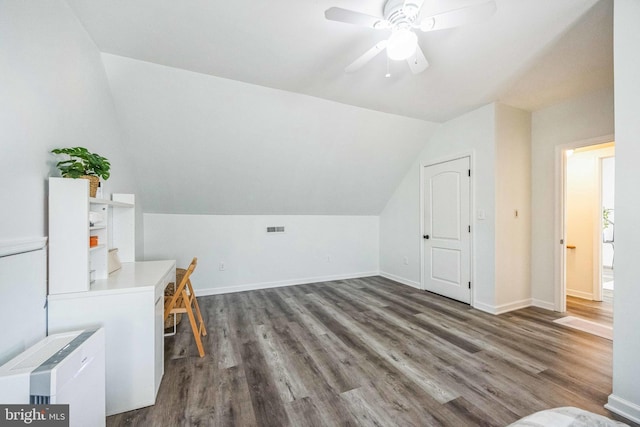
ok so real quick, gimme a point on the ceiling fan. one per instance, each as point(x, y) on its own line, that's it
point(402, 17)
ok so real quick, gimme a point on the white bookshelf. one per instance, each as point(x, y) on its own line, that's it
point(128, 303)
point(71, 259)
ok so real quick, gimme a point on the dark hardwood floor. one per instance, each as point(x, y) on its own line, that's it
point(372, 352)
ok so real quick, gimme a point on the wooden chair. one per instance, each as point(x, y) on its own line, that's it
point(184, 301)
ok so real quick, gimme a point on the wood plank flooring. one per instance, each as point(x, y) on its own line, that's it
point(597, 311)
point(371, 352)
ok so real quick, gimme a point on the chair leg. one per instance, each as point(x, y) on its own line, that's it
point(200, 321)
point(194, 328)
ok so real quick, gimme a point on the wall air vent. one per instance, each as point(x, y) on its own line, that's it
point(276, 229)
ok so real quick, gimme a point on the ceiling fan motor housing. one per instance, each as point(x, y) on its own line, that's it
point(401, 14)
point(402, 17)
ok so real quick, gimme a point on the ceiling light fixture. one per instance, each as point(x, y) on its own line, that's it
point(403, 17)
point(402, 44)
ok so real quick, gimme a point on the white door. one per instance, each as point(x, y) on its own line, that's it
point(447, 229)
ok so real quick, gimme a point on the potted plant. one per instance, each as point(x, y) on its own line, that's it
point(606, 222)
point(83, 164)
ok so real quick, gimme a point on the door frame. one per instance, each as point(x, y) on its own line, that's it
point(560, 253)
point(472, 199)
point(598, 293)
point(597, 238)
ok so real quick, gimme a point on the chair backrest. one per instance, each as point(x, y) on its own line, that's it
point(186, 279)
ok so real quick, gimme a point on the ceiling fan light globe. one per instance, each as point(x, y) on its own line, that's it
point(401, 45)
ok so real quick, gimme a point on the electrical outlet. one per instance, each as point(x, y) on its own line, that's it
point(221, 266)
point(406, 261)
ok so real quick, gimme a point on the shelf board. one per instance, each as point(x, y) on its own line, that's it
point(97, 227)
point(95, 248)
point(95, 201)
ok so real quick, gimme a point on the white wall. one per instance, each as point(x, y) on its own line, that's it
point(583, 214)
point(625, 398)
point(23, 274)
point(313, 248)
point(221, 146)
point(498, 138)
point(583, 118)
point(54, 93)
point(400, 237)
point(513, 193)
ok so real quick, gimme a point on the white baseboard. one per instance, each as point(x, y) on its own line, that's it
point(279, 284)
point(515, 305)
point(543, 304)
point(487, 308)
point(401, 280)
point(580, 294)
point(502, 308)
point(622, 407)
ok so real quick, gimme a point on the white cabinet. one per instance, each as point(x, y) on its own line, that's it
point(71, 260)
point(159, 333)
point(129, 305)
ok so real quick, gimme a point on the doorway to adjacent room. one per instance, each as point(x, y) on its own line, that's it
point(588, 224)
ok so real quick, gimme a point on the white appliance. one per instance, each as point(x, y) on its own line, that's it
point(65, 368)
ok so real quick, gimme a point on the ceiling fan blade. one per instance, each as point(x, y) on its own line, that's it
point(352, 17)
point(418, 62)
point(457, 17)
point(366, 57)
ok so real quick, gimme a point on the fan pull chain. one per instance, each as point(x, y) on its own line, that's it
point(388, 73)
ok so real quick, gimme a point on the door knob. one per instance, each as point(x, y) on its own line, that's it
point(426, 236)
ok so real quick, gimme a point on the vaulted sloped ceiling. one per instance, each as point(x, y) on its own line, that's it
point(207, 145)
point(243, 107)
point(580, 61)
point(289, 45)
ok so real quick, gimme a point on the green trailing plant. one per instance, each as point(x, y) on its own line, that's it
point(82, 162)
point(606, 222)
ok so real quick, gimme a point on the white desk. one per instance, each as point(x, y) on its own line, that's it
point(130, 306)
